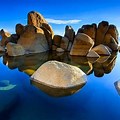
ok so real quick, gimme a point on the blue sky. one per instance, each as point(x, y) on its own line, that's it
point(60, 13)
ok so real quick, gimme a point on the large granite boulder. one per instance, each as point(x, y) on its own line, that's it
point(101, 31)
point(36, 19)
point(15, 49)
point(5, 37)
point(64, 75)
point(101, 50)
point(69, 33)
point(110, 42)
point(33, 40)
point(82, 45)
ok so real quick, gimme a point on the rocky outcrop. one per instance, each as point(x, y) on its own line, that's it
point(5, 37)
point(101, 50)
point(15, 49)
point(33, 40)
point(82, 45)
point(65, 76)
point(37, 20)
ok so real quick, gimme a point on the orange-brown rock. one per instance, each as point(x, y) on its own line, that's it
point(56, 42)
point(64, 43)
point(33, 40)
point(69, 33)
point(5, 37)
point(19, 29)
point(114, 32)
point(82, 45)
point(36, 19)
point(90, 30)
point(101, 50)
point(101, 31)
point(110, 42)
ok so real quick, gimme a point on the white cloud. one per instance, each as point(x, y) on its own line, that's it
point(62, 21)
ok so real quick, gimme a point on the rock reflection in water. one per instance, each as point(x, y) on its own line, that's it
point(30, 63)
point(56, 91)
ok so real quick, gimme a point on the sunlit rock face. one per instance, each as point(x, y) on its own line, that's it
point(64, 76)
point(36, 19)
point(5, 37)
point(33, 40)
point(82, 45)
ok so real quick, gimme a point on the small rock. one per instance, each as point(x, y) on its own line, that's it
point(93, 54)
point(101, 50)
point(59, 50)
point(117, 86)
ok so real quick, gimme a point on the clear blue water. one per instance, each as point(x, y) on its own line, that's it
point(97, 100)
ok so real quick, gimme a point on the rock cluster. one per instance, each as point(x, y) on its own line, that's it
point(37, 36)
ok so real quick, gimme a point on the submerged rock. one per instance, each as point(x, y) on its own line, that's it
point(5, 85)
point(64, 76)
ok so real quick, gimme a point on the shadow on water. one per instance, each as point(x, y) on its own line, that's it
point(30, 63)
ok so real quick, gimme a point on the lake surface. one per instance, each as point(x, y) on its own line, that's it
point(98, 99)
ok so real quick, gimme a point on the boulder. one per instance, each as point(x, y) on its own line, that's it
point(64, 75)
point(37, 20)
point(56, 41)
point(48, 36)
point(15, 49)
point(69, 33)
point(19, 29)
point(101, 50)
point(33, 40)
point(82, 45)
point(112, 30)
point(101, 31)
point(64, 43)
point(5, 37)
point(110, 42)
point(14, 38)
point(59, 50)
point(93, 54)
point(117, 86)
point(90, 30)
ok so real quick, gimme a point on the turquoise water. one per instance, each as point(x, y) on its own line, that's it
point(97, 100)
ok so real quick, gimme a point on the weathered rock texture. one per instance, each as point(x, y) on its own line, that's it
point(82, 45)
point(33, 40)
point(65, 76)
